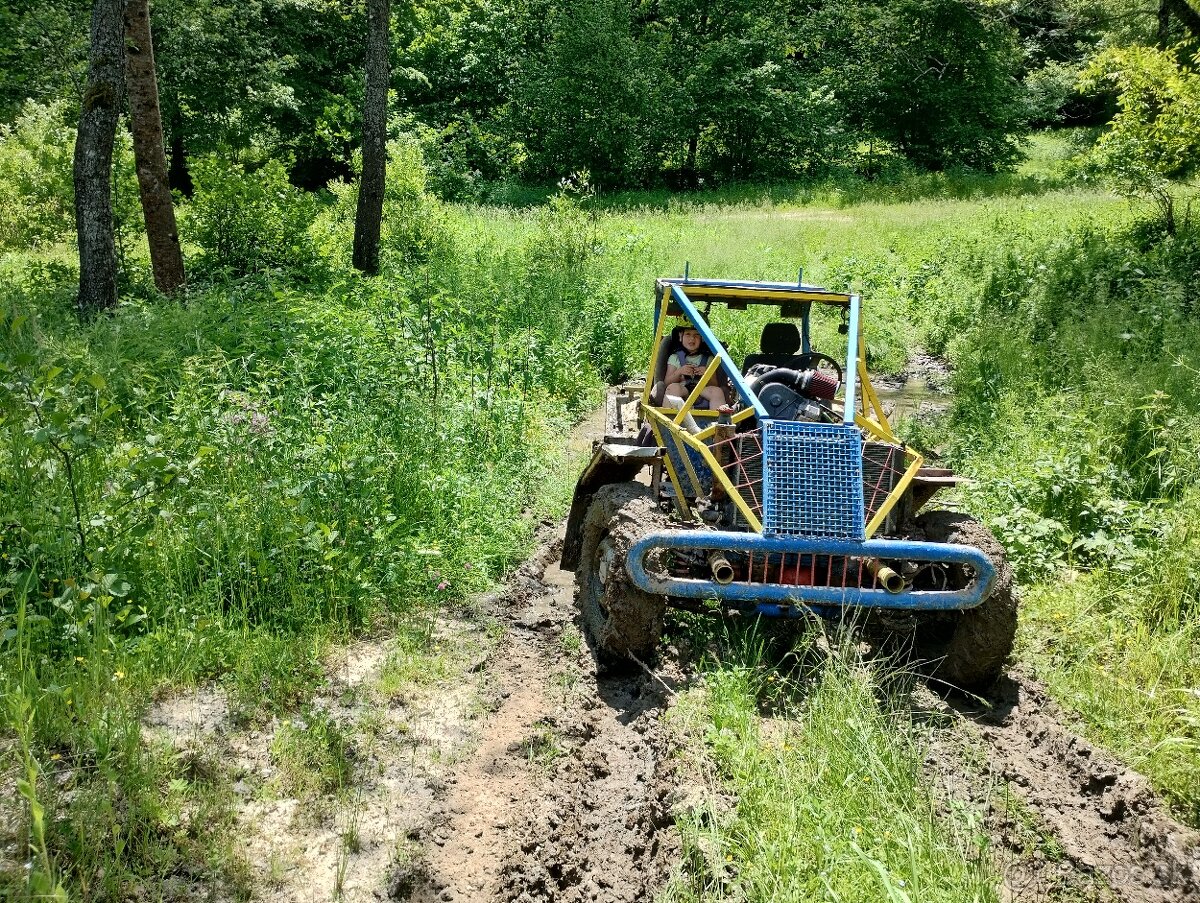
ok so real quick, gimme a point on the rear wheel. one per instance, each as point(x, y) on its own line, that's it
point(621, 620)
point(968, 649)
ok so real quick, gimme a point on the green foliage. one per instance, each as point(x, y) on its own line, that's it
point(939, 83)
point(313, 753)
point(44, 54)
point(1154, 137)
point(36, 194)
point(593, 99)
point(1048, 91)
point(247, 222)
point(1077, 413)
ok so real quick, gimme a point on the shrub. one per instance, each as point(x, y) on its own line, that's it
point(247, 222)
point(1155, 135)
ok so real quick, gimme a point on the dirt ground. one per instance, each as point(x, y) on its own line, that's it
point(544, 780)
point(565, 796)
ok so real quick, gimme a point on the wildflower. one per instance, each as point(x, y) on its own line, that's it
point(119, 675)
point(80, 659)
point(444, 585)
point(55, 757)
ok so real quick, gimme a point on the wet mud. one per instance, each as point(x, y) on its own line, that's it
point(1068, 820)
point(564, 799)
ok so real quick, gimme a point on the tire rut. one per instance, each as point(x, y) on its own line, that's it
point(1108, 825)
point(564, 797)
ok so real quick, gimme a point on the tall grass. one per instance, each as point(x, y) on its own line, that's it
point(218, 490)
point(828, 797)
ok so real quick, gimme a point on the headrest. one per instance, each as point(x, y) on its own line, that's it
point(780, 338)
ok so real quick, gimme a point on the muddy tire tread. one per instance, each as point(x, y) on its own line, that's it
point(980, 640)
point(633, 621)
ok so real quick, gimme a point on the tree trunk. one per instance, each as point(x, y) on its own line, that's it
point(93, 159)
point(374, 145)
point(166, 257)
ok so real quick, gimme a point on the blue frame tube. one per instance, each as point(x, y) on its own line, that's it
point(718, 349)
point(766, 595)
point(851, 374)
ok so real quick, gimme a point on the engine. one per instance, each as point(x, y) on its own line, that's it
point(795, 394)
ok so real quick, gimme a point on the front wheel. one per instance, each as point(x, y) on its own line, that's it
point(968, 649)
point(622, 620)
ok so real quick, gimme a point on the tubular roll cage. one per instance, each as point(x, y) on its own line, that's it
point(862, 410)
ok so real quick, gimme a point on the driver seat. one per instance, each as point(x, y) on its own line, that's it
point(780, 344)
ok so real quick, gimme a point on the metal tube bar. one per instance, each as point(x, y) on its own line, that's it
point(888, 549)
point(715, 346)
point(660, 319)
point(691, 400)
point(852, 360)
point(894, 496)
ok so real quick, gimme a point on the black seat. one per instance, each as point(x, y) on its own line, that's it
point(780, 344)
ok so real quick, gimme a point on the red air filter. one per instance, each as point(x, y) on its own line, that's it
point(821, 384)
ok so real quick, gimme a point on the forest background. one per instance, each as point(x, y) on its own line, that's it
point(220, 485)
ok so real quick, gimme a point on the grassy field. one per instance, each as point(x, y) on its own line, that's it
point(219, 491)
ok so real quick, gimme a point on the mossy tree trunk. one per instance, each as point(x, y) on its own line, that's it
point(369, 214)
point(166, 257)
point(102, 97)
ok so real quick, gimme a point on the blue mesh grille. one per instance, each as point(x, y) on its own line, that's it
point(812, 484)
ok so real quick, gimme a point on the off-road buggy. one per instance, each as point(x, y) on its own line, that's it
point(797, 498)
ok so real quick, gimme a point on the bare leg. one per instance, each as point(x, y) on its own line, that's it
point(715, 397)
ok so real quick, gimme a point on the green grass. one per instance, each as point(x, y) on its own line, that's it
point(1131, 684)
point(828, 797)
point(298, 456)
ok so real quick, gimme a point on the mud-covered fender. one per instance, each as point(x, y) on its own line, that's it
point(611, 463)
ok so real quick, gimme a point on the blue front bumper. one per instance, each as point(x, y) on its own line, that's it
point(787, 599)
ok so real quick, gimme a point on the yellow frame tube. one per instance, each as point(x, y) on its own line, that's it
point(890, 502)
point(705, 378)
point(875, 429)
point(680, 498)
point(870, 396)
point(718, 472)
point(657, 347)
point(834, 299)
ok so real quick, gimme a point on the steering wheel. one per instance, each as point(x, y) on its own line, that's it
point(823, 362)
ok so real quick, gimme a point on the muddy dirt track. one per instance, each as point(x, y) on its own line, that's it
point(567, 796)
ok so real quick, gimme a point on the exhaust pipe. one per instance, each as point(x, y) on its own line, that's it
point(888, 579)
point(722, 570)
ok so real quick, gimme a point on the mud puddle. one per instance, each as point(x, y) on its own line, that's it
point(1068, 821)
point(564, 799)
point(921, 389)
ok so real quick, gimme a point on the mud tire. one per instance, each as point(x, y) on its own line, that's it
point(620, 619)
point(968, 649)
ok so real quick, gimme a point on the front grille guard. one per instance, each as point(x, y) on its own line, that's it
point(788, 598)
